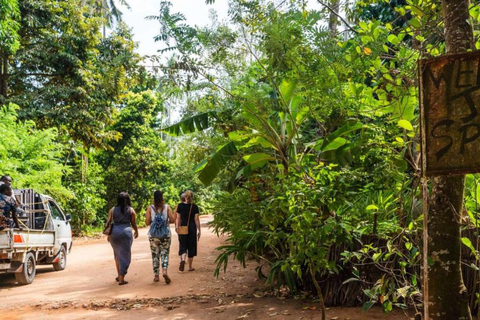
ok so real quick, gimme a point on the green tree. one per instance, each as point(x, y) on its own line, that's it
point(9, 39)
point(31, 156)
point(65, 75)
point(86, 184)
point(137, 162)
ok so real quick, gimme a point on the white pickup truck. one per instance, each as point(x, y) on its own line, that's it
point(45, 237)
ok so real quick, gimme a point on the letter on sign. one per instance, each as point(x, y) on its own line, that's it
point(450, 121)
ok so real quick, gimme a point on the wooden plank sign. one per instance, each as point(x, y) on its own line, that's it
point(449, 115)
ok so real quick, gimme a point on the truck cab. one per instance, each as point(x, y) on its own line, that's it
point(58, 222)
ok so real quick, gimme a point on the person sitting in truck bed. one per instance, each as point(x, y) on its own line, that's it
point(8, 206)
point(6, 179)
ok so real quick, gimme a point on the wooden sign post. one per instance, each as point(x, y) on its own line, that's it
point(450, 134)
point(450, 119)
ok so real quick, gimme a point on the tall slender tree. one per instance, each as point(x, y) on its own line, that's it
point(9, 39)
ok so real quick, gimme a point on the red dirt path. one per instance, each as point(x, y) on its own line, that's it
point(86, 290)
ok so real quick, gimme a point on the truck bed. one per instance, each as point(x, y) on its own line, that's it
point(17, 239)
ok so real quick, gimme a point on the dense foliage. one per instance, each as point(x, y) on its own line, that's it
point(301, 140)
point(317, 138)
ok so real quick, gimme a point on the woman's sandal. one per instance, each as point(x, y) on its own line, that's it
point(116, 279)
point(191, 269)
point(122, 283)
point(182, 266)
point(167, 279)
point(156, 279)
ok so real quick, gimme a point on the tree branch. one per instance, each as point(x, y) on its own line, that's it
point(40, 74)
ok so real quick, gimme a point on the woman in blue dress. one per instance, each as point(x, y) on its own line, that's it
point(121, 239)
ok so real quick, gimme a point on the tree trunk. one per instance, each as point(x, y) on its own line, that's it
point(84, 168)
point(3, 74)
point(333, 19)
point(445, 294)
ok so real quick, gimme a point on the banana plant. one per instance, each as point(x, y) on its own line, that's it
point(275, 134)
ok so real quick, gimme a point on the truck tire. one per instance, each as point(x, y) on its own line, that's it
point(62, 260)
point(28, 271)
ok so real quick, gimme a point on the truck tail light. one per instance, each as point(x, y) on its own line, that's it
point(17, 238)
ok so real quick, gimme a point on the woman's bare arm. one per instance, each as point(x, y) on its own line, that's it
point(177, 222)
point(197, 223)
point(109, 219)
point(175, 214)
point(134, 224)
point(110, 215)
point(148, 216)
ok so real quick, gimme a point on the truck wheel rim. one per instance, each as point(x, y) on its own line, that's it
point(30, 267)
point(62, 259)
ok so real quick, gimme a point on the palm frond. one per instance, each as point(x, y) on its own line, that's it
point(198, 122)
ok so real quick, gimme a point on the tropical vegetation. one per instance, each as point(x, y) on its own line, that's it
point(298, 129)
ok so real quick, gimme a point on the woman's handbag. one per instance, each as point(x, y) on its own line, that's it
point(183, 230)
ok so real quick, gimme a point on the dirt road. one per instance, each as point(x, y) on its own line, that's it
point(86, 289)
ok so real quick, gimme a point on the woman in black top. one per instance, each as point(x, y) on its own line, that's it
point(187, 214)
point(121, 238)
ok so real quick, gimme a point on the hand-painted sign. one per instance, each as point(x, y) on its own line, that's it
point(450, 119)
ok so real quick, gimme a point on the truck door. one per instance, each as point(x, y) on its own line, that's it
point(62, 227)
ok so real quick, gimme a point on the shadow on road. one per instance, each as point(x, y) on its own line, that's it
point(8, 280)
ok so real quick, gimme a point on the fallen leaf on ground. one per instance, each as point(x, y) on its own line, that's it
point(243, 316)
point(309, 308)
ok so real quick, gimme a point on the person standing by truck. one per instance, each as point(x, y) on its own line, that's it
point(8, 206)
point(121, 240)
